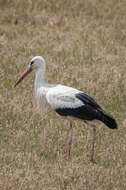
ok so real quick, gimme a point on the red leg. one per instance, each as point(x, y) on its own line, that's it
point(93, 142)
point(70, 139)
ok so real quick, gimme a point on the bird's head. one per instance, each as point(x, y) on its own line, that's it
point(36, 63)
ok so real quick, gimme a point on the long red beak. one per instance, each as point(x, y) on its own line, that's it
point(24, 74)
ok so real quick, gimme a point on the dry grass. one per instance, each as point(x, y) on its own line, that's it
point(84, 45)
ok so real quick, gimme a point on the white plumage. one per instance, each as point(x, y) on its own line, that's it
point(66, 101)
point(63, 97)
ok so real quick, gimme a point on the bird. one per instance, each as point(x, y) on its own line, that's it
point(66, 101)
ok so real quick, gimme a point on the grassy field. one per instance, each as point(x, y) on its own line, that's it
point(84, 45)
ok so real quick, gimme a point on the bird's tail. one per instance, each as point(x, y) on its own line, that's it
point(108, 120)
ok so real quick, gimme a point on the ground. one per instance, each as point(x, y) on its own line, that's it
point(84, 45)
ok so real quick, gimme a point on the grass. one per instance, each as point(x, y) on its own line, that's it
point(84, 45)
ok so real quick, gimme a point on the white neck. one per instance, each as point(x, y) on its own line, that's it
point(39, 79)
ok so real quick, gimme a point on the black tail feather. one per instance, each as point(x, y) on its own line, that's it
point(108, 120)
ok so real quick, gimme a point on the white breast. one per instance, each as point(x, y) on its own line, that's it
point(40, 96)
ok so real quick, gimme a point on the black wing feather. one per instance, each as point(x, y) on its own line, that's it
point(90, 110)
point(87, 100)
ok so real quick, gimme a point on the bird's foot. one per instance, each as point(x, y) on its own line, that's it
point(68, 153)
point(92, 160)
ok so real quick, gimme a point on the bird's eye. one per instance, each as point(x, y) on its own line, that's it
point(32, 62)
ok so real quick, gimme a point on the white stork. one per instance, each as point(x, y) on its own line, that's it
point(66, 101)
